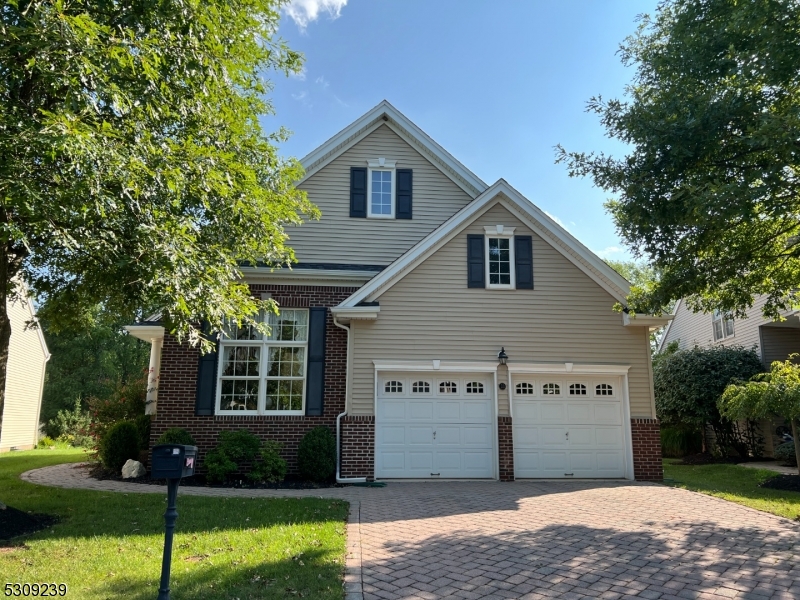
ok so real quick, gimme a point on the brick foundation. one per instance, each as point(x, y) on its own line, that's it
point(646, 437)
point(178, 383)
point(358, 447)
point(505, 448)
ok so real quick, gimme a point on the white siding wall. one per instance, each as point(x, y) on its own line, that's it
point(431, 314)
point(337, 238)
point(695, 329)
point(26, 364)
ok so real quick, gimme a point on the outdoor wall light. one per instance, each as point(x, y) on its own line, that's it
point(502, 356)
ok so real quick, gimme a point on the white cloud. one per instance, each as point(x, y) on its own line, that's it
point(304, 12)
point(557, 220)
point(608, 251)
point(303, 98)
point(321, 81)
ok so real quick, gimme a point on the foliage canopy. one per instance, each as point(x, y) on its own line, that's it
point(709, 192)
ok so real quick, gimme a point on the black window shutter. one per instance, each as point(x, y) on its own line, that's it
point(206, 398)
point(523, 257)
point(476, 273)
point(315, 378)
point(358, 192)
point(403, 194)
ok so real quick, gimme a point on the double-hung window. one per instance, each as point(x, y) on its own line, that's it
point(500, 257)
point(381, 189)
point(264, 374)
point(723, 326)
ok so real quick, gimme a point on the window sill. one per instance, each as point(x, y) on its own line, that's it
point(250, 413)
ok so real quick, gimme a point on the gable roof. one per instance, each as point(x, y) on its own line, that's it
point(384, 114)
point(522, 208)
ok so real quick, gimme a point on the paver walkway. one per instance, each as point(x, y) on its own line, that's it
point(537, 540)
point(770, 466)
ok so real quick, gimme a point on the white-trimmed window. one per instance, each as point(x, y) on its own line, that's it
point(723, 327)
point(500, 257)
point(381, 177)
point(393, 387)
point(551, 389)
point(421, 387)
point(577, 389)
point(264, 375)
point(524, 389)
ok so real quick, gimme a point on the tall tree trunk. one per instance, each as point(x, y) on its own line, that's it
point(6, 283)
point(795, 431)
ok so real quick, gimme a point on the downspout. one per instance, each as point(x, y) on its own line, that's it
point(339, 478)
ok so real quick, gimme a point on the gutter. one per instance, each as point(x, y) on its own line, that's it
point(339, 478)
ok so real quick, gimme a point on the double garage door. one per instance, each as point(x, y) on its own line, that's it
point(444, 426)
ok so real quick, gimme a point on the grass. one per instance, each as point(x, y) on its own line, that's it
point(735, 484)
point(110, 544)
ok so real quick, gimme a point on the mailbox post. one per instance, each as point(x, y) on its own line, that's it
point(171, 462)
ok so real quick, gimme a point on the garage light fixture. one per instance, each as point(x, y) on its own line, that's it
point(502, 356)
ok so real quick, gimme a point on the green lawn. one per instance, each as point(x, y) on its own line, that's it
point(733, 483)
point(108, 545)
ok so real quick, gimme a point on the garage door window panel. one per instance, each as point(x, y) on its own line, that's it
point(524, 389)
point(421, 387)
point(577, 389)
point(448, 387)
point(393, 387)
point(603, 389)
point(551, 389)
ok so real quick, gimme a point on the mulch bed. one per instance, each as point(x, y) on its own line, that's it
point(788, 483)
point(709, 459)
point(97, 471)
point(14, 522)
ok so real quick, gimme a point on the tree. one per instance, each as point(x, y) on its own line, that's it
point(641, 277)
point(710, 191)
point(90, 363)
point(688, 384)
point(773, 393)
point(134, 171)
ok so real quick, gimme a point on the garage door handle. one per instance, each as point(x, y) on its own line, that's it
point(434, 437)
point(435, 474)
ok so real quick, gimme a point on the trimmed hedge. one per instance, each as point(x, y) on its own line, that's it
point(316, 455)
point(120, 443)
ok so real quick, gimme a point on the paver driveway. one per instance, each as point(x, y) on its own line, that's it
point(545, 540)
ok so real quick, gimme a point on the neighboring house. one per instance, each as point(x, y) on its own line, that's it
point(416, 280)
point(772, 340)
point(27, 358)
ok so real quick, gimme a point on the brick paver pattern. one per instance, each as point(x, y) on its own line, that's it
point(546, 539)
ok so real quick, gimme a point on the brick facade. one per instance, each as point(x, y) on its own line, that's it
point(178, 382)
point(505, 443)
point(358, 447)
point(646, 437)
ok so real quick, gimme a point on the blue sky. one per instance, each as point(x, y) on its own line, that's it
point(498, 84)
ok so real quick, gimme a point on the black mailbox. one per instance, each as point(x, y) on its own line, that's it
point(172, 461)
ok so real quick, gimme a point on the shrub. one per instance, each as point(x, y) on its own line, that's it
point(688, 384)
point(271, 467)
point(785, 452)
point(120, 443)
point(316, 455)
point(71, 426)
point(126, 403)
point(176, 435)
point(46, 442)
point(143, 423)
point(679, 441)
point(234, 447)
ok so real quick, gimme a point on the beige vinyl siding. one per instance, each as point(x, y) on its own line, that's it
point(26, 364)
point(337, 238)
point(431, 314)
point(777, 343)
point(696, 329)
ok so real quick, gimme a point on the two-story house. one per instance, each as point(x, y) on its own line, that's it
point(442, 327)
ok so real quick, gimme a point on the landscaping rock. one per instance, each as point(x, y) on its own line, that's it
point(133, 468)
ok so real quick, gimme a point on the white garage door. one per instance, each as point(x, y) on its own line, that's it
point(434, 427)
point(568, 428)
